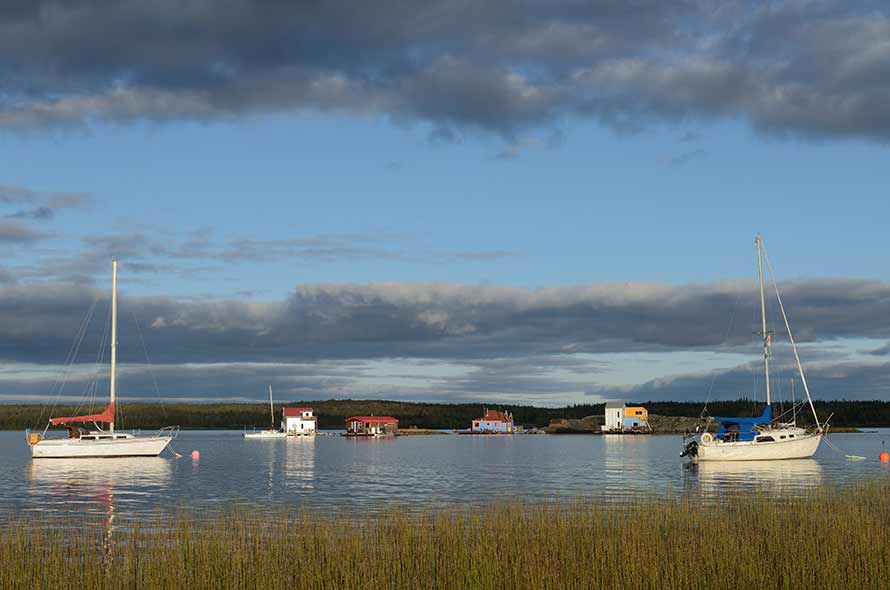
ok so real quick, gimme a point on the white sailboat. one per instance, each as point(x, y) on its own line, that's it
point(272, 432)
point(759, 438)
point(99, 442)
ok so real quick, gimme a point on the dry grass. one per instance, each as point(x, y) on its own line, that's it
point(831, 539)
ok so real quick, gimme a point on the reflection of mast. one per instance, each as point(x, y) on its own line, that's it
point(108, 542)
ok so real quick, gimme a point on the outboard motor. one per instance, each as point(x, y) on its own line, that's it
point(691, 449)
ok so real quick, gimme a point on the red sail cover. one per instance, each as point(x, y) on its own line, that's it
point(107, 416)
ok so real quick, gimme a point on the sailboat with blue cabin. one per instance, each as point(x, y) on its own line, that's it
point(759, 438)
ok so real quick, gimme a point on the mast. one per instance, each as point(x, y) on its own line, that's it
point(758, 240)
point(113, 334)
point(271, 408)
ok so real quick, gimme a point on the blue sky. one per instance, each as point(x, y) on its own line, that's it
point(669, 204)
point(433, 202)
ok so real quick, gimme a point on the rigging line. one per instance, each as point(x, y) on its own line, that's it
point(88, 397)
point(732, 315)
point(72, 353)
point(69, 361)
point(150, 366)
point(803, 377)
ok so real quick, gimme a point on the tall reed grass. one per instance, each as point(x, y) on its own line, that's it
point(829, 539)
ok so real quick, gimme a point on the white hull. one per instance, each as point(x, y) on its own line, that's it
point(265, 434)
point(67, 448)
point(799, 448)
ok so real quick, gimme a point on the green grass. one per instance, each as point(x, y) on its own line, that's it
point(829, 539)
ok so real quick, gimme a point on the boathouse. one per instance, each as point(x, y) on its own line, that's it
point(371, 425)
point(493, 422)
point(621, 418)
point(636, 419)
point(614, 421)
point(298, 421)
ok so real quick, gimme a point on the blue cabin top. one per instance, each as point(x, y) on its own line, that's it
point(742, 428)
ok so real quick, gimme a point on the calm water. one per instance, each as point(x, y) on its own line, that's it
point(334, 473)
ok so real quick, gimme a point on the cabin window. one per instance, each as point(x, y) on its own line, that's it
point(782, 437)
point(765, 439)
point(790, 436)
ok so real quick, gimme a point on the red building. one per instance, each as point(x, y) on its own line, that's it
point(371, 425)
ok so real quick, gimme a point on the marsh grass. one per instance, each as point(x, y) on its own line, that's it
point(828, 539)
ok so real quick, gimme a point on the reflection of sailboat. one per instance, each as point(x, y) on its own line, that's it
point(759, 438)
point(99, 443)
point(272, 432)
point(96, 484)
point(743, 476)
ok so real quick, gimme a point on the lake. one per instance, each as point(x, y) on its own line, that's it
point(333, 473)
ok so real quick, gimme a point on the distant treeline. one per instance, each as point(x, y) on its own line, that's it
point(332, 413)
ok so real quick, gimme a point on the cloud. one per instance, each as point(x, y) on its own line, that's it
point(450, 342)
point(481, 255)
point(813, 69)
point(686, 157)
point(440, 320)
point(881, 351)
point(40, 205)
point(159, 250)
point(827, 380)
point(13, 232)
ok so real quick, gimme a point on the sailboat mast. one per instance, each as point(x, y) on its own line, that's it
point(763, 332)
point(113, 334)
point(271, 408)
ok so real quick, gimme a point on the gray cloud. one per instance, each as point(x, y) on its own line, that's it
point(442, 341)
point(828, 380)
point(686, 157)
point(40, 205)
point(157, 250)
point(440, 320)
point(13, 232)
point(808, 69)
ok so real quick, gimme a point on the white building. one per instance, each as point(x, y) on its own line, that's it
point(614, 417)
point(298, 421)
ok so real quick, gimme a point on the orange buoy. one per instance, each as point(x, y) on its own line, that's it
point(195, 454)
point(885, 457)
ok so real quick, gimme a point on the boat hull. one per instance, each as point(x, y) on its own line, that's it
point(799, 448)
point(71, 448)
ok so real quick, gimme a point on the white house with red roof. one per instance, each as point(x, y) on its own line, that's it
point(298, 421)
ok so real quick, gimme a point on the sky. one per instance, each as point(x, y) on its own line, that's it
point(538, 202)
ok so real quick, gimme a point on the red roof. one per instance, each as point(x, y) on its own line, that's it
point(374, 419)
point(495, 416)
point(295, 412)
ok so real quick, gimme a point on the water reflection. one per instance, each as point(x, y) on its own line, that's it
point(299, 462)
point(335, 473)
point(715, 477)
point(95, 485)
